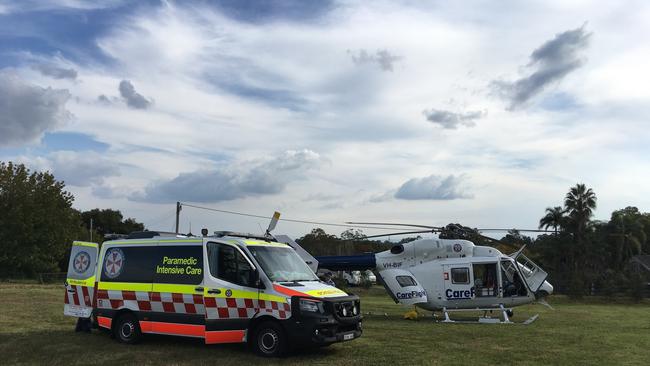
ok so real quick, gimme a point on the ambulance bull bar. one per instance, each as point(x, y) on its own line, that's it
point(327, 327)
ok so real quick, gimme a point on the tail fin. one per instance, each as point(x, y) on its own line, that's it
point(308, 258)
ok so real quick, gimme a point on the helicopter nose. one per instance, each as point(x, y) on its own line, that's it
point(546, 288)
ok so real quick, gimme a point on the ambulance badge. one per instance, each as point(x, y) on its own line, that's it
point(81, 262)
point(114, 263)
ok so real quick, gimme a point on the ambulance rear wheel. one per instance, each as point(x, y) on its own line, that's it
point(269, 340)
point(127, 329)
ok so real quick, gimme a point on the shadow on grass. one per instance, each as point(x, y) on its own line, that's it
point(98, 347)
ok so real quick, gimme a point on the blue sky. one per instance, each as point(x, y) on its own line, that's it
point(337, 111)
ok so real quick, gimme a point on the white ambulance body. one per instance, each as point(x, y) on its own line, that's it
point(224, 289)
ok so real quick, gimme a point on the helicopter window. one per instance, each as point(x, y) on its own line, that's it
point(406, 281)
point(485, 279)
point(397, 249)
point(460, 275)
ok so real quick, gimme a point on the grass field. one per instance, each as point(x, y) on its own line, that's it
point(34, 331)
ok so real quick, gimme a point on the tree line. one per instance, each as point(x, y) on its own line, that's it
point(38, 222)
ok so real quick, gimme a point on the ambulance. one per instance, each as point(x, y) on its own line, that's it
point(224, 288)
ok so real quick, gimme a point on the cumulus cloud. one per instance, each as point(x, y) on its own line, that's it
point(27, 111)
point(103, 99)
point(75, 168)
point(383, 58)
point(133, 99)
point(270, 176)
point(433, 187)
point(549, 63)
point(82, 168)
point(55, 71)
point(451, 120)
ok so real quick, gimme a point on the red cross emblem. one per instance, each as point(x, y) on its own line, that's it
point(114, 263)
point(81, 262)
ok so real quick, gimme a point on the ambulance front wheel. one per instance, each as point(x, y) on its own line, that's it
point(269, 340)
point(127, 329)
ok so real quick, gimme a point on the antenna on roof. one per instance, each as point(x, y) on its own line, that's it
point(274, 221)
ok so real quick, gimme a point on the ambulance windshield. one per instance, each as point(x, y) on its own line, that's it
point(282, 264)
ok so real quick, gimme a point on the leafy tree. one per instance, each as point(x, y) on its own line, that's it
point(627, 233)
point(108, 221)
point(37, 221)
point(352, 234)
point(318, 242)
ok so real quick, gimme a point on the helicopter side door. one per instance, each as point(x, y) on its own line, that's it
point(403, 287)
point(459, 284)
point(533, 274)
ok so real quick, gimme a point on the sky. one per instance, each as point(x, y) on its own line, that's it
point(476, 112)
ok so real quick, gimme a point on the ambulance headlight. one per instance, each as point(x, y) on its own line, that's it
point(310, 306)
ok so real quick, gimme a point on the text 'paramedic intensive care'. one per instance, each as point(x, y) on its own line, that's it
point(178, 266)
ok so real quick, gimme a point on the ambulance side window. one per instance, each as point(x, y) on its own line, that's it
point(129, 264)
point(460, 275)
point(228, 264)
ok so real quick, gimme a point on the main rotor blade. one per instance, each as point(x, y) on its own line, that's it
point(392, 224)
point(402, 233)
point(524, 230)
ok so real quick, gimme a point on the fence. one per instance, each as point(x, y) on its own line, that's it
point(54, 277)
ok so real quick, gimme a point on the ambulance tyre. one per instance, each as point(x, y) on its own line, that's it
point(269, 340)
point(127, 329)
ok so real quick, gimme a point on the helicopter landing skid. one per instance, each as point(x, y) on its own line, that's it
point(485, 319)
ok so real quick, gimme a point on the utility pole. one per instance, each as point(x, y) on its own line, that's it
point(179, 207)
point(91, 229)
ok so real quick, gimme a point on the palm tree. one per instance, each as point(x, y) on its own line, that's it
point(580, 202)
point(554, 217)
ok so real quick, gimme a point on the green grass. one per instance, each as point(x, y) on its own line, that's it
point(33, 330)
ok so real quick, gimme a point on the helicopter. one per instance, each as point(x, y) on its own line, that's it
point(451, 273)
point(447, 274)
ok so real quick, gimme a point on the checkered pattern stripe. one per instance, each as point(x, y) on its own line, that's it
point(163, 302)
point(231, 308)
point(80, 295)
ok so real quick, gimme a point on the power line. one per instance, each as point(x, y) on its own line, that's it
point(160, 218)
point(290, 220)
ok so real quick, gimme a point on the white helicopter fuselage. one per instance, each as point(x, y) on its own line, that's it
point(456, 274)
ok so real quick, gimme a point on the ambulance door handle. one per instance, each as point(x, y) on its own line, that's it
point(198, 289)
point(72, 290)
point(216, 291)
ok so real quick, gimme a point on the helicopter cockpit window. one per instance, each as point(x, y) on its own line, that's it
point(406, 281)
point(511, 281)
point(460, 275)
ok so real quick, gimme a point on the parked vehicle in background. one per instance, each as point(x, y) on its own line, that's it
point(371, 277)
